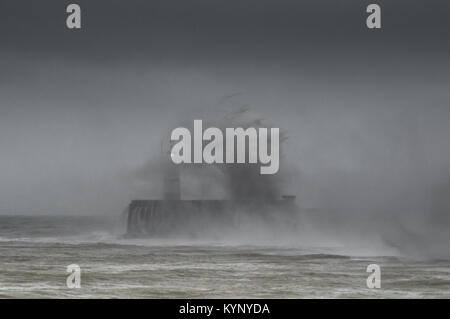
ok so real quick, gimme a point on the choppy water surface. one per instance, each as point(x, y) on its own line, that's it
point(35, 251)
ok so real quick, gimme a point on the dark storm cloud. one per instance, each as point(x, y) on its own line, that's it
point(186, 32)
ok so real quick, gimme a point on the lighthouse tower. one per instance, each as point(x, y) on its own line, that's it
point(171, 181)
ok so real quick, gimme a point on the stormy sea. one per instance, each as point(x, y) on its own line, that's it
point(35, 252)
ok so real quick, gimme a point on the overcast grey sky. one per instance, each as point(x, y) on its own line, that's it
point(81, 110)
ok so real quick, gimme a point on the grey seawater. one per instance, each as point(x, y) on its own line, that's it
point(35, 251)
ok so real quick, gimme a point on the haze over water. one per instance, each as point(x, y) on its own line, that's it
point(34, 257)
